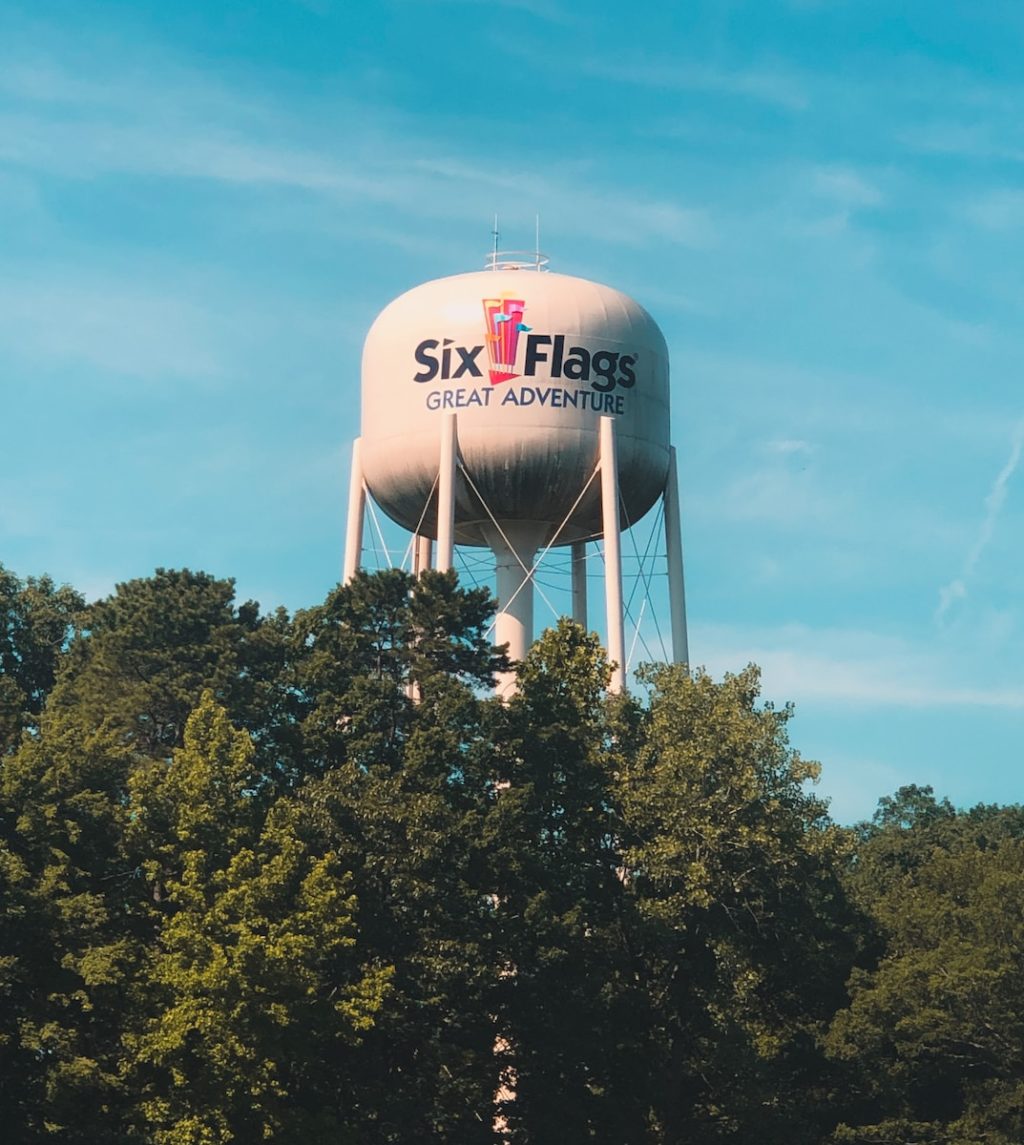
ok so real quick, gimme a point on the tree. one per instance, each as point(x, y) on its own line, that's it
point(25, 944)
point(369, 642)
point(401, 792)
point(144, 655)
point(72, 934)
point(163, 888)
point(275, 879)
point(569, 999)
point(259, 988)
point(36, 621)
point(933, 1037)
point(745, 941)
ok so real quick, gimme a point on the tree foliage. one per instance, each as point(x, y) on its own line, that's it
point(36, 621)
point(257, 983)
point(933, 1037)
point(302, 878)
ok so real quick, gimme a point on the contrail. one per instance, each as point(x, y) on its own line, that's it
point(957, 588)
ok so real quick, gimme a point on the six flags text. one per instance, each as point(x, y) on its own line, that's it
point(603, 369)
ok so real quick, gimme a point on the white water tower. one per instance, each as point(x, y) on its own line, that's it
point(519, 410)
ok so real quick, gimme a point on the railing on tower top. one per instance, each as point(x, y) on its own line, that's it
point(517, 260)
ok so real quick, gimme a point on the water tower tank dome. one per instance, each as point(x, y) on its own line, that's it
point(529, 362)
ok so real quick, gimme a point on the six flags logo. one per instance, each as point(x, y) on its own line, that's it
point(503, 323)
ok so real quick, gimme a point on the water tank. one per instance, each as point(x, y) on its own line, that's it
point(529, 362)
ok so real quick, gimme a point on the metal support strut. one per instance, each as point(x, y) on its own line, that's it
point(356, 510)
point(579, 582)
point(514, 547)
point(446, 493)
point(422, 554)
point(674, 549)
point(612, 554)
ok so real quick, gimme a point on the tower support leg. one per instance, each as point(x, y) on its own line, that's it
point(612, 554)
point(674, 548)
point(579, 582)
point(446, 493)
point(422, 554)
point(356, 511)
point(514, 555)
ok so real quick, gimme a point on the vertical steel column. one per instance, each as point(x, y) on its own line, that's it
point(356, 510)
point(612, 553)
point(422, 554)
point(446, 493)
point(579, 582)
point(674, 548)
point(515, 547)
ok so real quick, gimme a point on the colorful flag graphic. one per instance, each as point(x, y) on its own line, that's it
point(503, 320)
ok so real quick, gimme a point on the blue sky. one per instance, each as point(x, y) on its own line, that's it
point(204, 204)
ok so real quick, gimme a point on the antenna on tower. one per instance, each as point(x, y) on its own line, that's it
point(498, 259)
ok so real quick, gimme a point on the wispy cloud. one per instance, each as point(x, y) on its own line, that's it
point(790, 447)
point(1000, 210)
point(141, 332)
point(957, 588)
point(845, 186)
point(965, 140)
point(768, 85)
point(76, 129)
point(539, 9)
point(787, 490)
point(155, 323)
point(391, 173)
point(842, 192)
point(849, 667)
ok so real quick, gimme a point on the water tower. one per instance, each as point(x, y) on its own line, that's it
point(519, 410)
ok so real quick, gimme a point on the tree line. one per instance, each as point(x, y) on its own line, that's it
point(300, 878)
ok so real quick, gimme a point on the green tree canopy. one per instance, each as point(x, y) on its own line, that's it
point(734, 865)
point(933, 1037)
point(36, 622)
point(254, 988)
point(144, 655)
point(306, 879)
